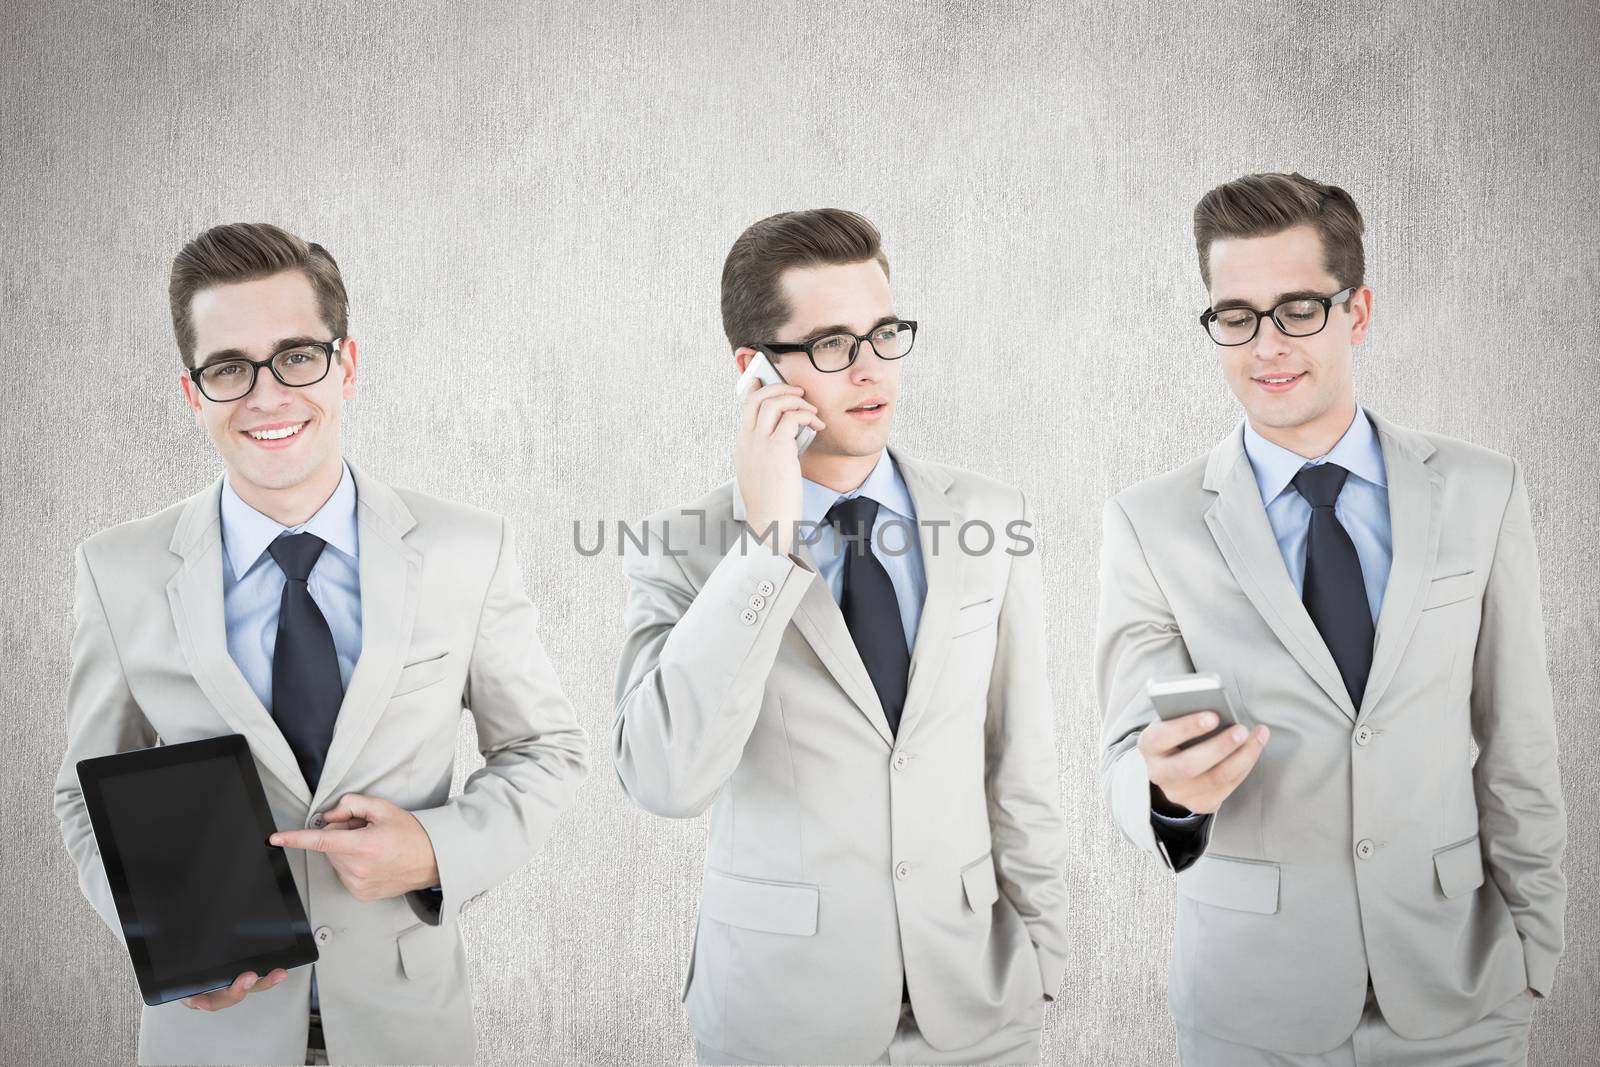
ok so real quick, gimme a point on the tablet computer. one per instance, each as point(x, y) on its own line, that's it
point(202, 897)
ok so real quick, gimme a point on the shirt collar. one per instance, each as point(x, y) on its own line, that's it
point(1359, 451)
point(246, 532)
point(884, 485)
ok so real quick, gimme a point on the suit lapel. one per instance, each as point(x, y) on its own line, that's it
point(194, 596)
point(391, 574)
point(822, 624)
point(1238, 524)
point(938, 523)
point(1415, 501)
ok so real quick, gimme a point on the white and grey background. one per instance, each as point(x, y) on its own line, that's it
point(531, 203)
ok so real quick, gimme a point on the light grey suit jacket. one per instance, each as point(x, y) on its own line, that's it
point(1365, 839)
point(445, 624)
point(840, 853)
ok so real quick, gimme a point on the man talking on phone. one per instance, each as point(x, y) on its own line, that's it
point(1353, 886)
point(815, 655)
point(340, 625)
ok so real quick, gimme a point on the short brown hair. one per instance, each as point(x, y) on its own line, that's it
point(245, 251)
point(1259, 205)
point(753, 307)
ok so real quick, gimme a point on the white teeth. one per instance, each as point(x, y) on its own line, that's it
point(1279, 381)
point(275, 435)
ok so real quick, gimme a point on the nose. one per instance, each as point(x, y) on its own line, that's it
point(268, 394)
point(869, 366)
point(1270, 342)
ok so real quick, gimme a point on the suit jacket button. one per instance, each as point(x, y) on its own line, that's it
point(766, 588)
point(902, 871)
point(747, 617)
point(316, 822)
point(1363, 734)
point(1365, 849)
point(323, 935)
point(758, 602)
point(900, 761)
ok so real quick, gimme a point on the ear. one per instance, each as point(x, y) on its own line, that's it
point(347, 367)
point(1360, 314)
point(191, 396)
point(742, 357)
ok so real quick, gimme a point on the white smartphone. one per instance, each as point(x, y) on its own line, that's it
point(758, 372)
point(1189, 693)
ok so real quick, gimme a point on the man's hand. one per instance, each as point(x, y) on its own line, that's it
point(1200, 778)
point(765, 461)
point(378, 850)
point(242, 986)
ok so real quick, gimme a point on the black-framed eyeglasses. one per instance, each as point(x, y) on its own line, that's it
point(835, 351)
point(298, 366)
point(1299, 317)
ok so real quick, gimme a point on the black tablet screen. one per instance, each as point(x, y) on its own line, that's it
point(198, 870)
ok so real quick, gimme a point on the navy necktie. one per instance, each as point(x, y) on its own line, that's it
point(870, 608)
point(306, 687)
point(1335, 595)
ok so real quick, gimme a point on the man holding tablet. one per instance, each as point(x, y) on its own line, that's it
point(340, 626)
point(1354, 888)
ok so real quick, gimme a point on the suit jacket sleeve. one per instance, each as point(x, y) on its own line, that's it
point(692, 675)
point(102, 718)
point(1521, 817)
point(1136, 639)
point(535, 753)
point(1022, 775)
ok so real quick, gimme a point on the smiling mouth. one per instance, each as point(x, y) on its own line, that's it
point(1279, 379)
point(277, 433)
point(876, 406)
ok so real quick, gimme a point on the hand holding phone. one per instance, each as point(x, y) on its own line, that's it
point(766, 459)
point(1198, 751)
point(760, 371)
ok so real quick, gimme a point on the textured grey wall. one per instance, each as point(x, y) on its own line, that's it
point(531, 204)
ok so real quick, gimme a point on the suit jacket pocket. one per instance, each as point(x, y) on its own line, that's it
point(1226, 882)
point(977, 878)
point(754, 904)
point(425, 949)
point(1451, 589)
point(975, 616)
point(414, 676)
point(1459, 866)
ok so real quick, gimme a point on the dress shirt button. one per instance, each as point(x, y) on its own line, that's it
point(900, 761)
point(1363, 734)
point(758, 602)
point(766, 588)
point(323, 935)
point(747, 617)
point(902, 871)
point(1365, 849)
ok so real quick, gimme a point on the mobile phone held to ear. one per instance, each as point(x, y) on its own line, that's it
point(1186, 694)
point(758, 372)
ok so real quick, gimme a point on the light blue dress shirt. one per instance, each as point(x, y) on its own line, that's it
point(252, 582)
point(894, 538)
point(1362, 507)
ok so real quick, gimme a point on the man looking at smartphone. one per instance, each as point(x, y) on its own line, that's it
point(1353, 888)
point(865, 712)
point(340, 625)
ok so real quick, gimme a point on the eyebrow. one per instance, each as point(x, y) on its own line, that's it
point(1296, 294)
point(839, 327)
point(279, 346)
